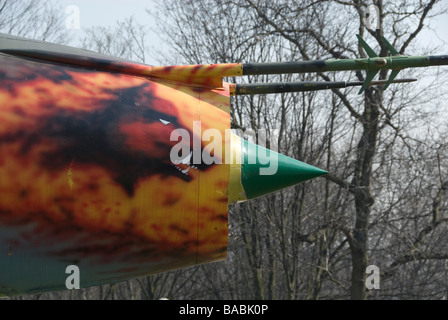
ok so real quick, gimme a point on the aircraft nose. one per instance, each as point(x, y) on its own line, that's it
point(264, 171)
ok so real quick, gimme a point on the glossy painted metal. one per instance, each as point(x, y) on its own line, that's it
point(86, 177)
point(372, 65)
point(262, 171)
point(286, 87)
point(204, 75)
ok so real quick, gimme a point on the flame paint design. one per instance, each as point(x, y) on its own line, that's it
point(86, 176)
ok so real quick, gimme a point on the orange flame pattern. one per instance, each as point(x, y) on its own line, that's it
point(86, 176)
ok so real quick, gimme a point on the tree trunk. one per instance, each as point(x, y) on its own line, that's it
point(361, 183)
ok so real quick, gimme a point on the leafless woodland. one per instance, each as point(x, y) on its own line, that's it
point(384, 201)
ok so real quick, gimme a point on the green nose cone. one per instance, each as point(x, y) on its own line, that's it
point(264, 171)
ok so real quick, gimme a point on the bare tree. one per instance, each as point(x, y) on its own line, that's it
point(355, 137)
point(35, 19)
point(385, 199)
point(126, 39)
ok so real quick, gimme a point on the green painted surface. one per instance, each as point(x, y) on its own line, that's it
point(264, 171)
point(372, 65)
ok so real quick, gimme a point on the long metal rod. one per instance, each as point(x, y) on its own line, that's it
point(399, 62)
point(283, 87)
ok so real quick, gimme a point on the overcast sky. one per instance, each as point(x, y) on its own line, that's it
point(107, 12)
